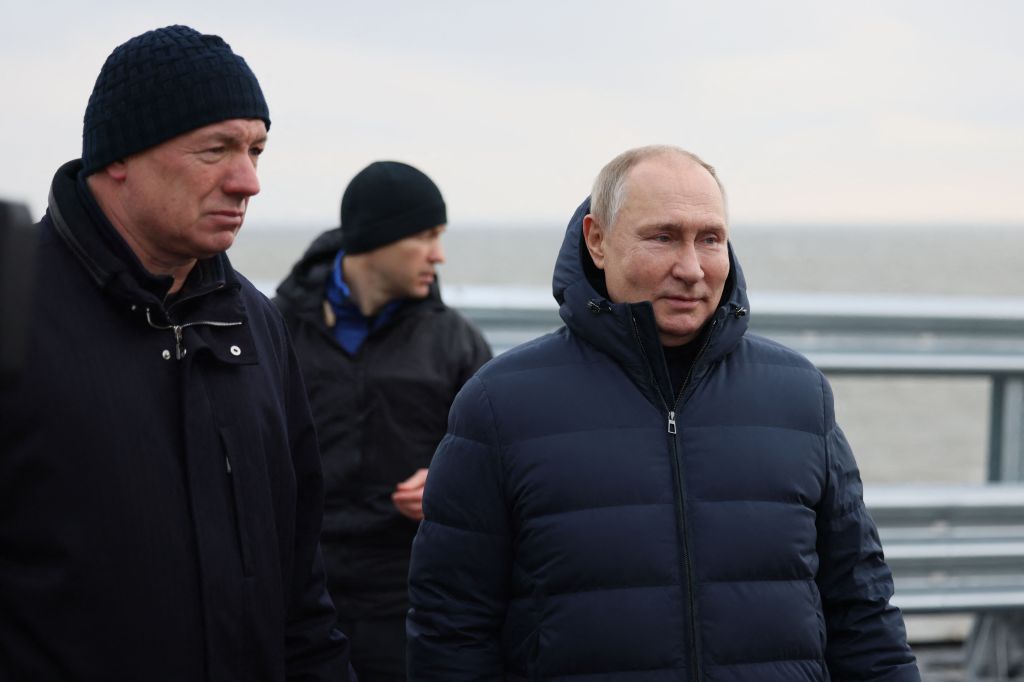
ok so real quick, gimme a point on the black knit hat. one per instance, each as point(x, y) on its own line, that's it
point(162, 84)
point(385, 202)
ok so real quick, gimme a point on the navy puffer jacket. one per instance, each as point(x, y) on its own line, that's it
point(570, 535)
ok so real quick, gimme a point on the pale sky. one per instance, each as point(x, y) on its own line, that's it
point(887, 112)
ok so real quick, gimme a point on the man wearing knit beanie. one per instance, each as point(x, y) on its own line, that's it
point(161, 484)
point(383, 358)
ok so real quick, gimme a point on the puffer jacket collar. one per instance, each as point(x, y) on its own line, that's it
point(627, 332)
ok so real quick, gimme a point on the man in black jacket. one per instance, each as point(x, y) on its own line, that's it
point(160, 486)
point(383, 358)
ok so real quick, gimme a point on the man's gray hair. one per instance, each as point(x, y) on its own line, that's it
point(609, 190)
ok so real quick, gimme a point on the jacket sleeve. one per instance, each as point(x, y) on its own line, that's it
point(866, 636)
point(459, 575)
point(315, 650)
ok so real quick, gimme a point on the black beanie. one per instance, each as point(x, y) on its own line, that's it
point(162, 84)
point(385, 202)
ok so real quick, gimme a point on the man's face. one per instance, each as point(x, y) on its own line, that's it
point(406, 268)
point(186, 198)
point(668, 245)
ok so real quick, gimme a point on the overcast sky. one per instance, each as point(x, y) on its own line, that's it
point(872, 111)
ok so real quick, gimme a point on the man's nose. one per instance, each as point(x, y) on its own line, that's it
point(436, 252)
point(242, 179)
point(686, 265)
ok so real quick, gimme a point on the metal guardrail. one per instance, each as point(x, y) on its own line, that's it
point(844, 335)
point(952, 548)
point(960, 549)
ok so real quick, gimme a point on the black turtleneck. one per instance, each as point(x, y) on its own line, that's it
point(679, 360)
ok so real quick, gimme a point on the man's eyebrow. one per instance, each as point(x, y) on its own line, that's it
point(681, 226)
point(229, 138)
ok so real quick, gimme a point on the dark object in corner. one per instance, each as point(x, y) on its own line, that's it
point(17, 257)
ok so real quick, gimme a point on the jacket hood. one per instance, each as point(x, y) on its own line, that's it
point(616, 328)
point(303, 288)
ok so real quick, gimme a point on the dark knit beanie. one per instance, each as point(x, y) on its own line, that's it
point(385, 202)
point(162, 84)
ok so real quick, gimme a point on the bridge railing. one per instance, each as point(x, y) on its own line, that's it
point(845, 335)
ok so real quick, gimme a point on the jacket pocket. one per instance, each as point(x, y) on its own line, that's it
point(236, 498)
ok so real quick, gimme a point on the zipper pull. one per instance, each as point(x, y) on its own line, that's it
point(177, 342)
point(227, 464)
point(671, 421)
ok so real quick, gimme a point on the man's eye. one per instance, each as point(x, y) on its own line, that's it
point(256, 151)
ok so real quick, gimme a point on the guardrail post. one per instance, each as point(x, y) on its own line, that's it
point(995, 645)
point(1006, 429)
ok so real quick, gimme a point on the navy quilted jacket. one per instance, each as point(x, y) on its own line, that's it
point(570, 534)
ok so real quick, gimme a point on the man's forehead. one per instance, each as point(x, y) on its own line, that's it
point(672, 181)
point(671, 168)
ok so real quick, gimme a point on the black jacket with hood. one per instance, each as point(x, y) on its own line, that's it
point(160, 487)
point(582, 523)
point(379, 414)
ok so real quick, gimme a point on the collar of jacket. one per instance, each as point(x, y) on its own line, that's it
point(627, 331)
point(210, 297)
point(304, 289)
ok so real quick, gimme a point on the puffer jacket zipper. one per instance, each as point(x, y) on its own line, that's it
point(677, 467)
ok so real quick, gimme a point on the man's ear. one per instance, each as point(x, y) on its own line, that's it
point(118, 170)
point(594, 235)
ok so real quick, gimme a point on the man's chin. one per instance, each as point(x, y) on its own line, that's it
point(212, 247)
point(420, 291)
point(678, 333)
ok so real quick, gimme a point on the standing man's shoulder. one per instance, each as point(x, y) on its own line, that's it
point(540, 354)
point(762, 350)
point(456, 322)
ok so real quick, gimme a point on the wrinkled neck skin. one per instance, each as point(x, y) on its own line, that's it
point(109, 200)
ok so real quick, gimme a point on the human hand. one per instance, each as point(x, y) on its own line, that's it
point(408, 495)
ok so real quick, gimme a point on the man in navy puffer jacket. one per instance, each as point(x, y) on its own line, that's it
point(650, 493)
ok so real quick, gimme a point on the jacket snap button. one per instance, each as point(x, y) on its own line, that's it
point(235, 350)
point(166, 355)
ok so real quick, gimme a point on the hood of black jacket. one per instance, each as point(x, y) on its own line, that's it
point(303, 289)
point(627, 331)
